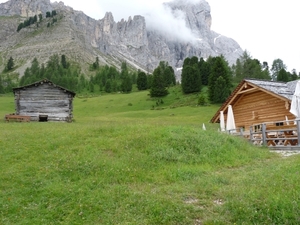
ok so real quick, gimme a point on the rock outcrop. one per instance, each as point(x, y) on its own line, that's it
point(82, 38)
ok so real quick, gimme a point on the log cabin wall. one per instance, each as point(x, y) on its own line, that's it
point(258, 107)
point(44, 100)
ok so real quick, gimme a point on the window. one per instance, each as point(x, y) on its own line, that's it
point(257, 128)
point(279, 124)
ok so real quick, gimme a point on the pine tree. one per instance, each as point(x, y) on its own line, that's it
point(64, 62)
point(141, 81)
point(21, 25)
point(283, 75)
point(114, 86)
point(204, 69)
point(158, 88)
point(238, 71)
point(149, 81)
point(108, 86)
point(1, 86)
point(219, 69)
point(92, 88)
point(35, 69)
point(169, 76)
point(10, 64)
point(294, 75)
point(126, 85)
point(96, 64)
point(112, 72)
point(277, 65)
point(221, 91)
point(190, 76)
point(34, 19)
point(54, 13)
point(124, 70)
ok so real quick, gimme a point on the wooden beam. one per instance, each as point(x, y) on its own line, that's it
point(248, 90)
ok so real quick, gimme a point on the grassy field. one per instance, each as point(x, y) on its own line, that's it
point(127, 160)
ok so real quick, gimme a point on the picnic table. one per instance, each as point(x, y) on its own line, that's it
point(285, 135)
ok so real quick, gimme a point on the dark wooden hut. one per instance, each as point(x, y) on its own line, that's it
point(44, 101)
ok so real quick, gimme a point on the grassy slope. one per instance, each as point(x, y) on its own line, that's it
point(121, 162)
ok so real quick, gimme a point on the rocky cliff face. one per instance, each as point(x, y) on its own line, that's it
point(25, 8)
point(82, 38)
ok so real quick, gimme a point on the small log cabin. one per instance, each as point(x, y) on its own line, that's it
point(44, 101)
point(259, 101)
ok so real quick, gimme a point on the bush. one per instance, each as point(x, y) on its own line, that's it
point(202, 100)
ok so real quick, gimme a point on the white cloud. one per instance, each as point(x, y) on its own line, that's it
point(171, 24)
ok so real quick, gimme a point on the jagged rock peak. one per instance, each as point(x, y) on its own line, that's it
point(25, 8)
point(109, 17)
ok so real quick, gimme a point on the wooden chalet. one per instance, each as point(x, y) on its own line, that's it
point(259, 101)
point(44, 101)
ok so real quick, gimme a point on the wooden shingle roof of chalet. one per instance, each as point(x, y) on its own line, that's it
point(42, 82)
point(280, 90)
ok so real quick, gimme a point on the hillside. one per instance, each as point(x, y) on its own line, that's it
point(121, 162)
point(83, 39)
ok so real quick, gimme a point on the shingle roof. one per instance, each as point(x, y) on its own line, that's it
point(41, 82)
point(285, 90)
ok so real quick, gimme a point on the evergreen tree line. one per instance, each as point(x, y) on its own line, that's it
point(32, 20)
point(247, 67)
point(214, 73)
point(58, 70)
point(51, 14)
point(28, 22)
point(109, 79)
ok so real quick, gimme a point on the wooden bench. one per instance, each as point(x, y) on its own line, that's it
point(18, 118)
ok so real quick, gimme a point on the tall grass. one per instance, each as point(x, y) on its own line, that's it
point(121, 163)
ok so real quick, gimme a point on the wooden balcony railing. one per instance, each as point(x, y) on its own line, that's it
point(281, 133)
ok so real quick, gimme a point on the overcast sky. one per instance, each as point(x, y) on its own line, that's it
point(266, 29)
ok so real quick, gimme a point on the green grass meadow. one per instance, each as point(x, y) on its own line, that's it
point(127, 160)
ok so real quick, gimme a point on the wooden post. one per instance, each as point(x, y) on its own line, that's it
point(263, 130)
point(251, 134)
point(298, 131)
point(241, 132)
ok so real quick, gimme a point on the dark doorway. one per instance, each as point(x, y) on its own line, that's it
point(43, 118)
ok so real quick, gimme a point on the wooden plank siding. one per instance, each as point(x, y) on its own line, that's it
point(44, 99)
point(259, 107)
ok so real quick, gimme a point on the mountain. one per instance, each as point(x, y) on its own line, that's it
point(140, 41)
